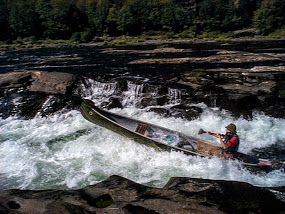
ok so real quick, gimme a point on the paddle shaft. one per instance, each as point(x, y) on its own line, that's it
point(201, 131)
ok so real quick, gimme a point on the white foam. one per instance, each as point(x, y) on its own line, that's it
point(66, 151)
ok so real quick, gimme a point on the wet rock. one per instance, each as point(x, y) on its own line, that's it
point(114, 102)
point(30, 93)
point(161, 111)
point(14, 79)
point(52, 82)
point(186, 112)
point(147, 101)
point(239, 90)
point(41, 81)
point(12, 82)
point(120, 195)
point(27, 105)
point(215, 73)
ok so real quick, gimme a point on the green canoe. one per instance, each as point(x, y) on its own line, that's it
point(162, 138)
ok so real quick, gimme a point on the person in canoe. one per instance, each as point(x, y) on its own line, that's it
point(229, 141)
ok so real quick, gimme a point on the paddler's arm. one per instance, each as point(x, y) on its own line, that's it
point(213, 134)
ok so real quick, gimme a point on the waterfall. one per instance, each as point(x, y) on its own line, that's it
point(129, 96)
point(45, 106)
point(174, 95)
point(98, 91)
point(133, 95)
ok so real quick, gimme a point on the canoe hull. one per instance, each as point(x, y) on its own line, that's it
point(95, 115)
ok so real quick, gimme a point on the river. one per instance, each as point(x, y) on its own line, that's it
point(63, 150)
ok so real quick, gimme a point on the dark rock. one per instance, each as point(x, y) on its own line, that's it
point(186, 112)
point(114, 102)
point(14, 79)
point(138, 209)
point(27, 105)
point(231, 196)
point(12, 82)
point(161, 111)
point(147, 101)
point(161, 101)
point(24, 105)
point(119, 195)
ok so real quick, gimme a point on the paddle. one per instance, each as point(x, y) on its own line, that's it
point(201, 131)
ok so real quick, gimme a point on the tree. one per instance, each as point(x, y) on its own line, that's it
point(97, 13)
point(127, 20)
point(174, 16)
point(243, 13)
point(23, 19)
point(112, 20)
point(4, 33)
point(270, 16)
point(59, 18)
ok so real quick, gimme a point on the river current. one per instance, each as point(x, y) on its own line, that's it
point(65, 151)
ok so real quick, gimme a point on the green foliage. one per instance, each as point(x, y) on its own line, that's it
point(80, 20)
point(270, 16)
point(23, 20)
point(280, 33)
point(75, 37)
point(3, 21)
point(97, 14)
point(86, 36)
point(225, 15)
point(55, 18)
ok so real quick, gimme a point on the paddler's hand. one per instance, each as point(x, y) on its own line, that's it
point(221, 136)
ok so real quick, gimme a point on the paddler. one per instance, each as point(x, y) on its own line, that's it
point(229, 141)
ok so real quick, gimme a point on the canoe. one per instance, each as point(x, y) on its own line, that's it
point(163, 138)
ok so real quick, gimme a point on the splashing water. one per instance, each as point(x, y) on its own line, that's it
point(66, 151)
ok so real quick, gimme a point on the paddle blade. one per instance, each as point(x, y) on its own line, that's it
point(201, 131)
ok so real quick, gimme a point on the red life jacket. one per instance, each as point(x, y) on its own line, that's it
point(231, 148)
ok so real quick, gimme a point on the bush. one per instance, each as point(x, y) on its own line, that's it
point(75, 37)
point(270, 16)
point(86, 36)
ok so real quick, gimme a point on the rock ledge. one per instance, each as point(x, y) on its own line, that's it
point(120, 195)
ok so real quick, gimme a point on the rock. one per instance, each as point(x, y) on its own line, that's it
point(230, 196)
point(120, 195)
point(27, 105)
point(40, 81)
point(240, 70)
point(114, 102)
point(186, 112)
point(103, 39)
point(52, 82)
point(12, 82)
point(267, 87)
point(14, 79)
point(161, 111)
point(247, 32)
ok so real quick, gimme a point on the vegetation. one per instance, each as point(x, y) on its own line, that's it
point(81, 20)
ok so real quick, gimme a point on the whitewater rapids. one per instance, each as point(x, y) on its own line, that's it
point(65, 151)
